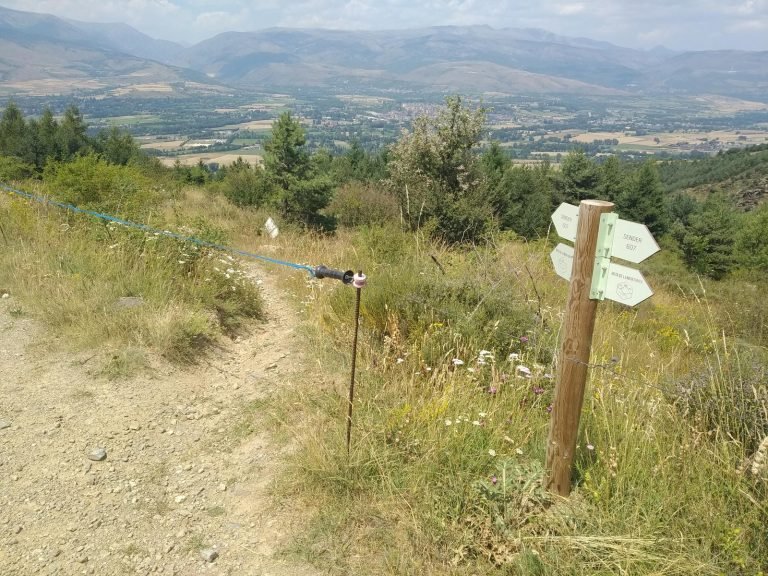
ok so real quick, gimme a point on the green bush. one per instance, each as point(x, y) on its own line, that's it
point(11, 168)
point(361, 204)
point(90, 182)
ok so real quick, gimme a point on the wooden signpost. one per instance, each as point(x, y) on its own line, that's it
point(598, 235)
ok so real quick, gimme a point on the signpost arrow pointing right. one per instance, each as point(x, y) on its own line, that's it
point(626, 285)
point(633, 242)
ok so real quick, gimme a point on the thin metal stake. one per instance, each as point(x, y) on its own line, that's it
point(359, 287)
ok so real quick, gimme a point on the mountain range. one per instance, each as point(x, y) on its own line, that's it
point(40, 53)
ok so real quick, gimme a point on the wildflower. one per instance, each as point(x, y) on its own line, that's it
point(476, 422)
point(483, 353)
point(590, 447)
point(524, 370)
point(184, 262)
point(471, 370)
point(428, 369)
point(492, 452)
point(758, 462)
point(448, 422)
point(519, 451)
point(538, 390)
point(494, 480)
point(524, 339)
point(549, 409)
point(400, 360)
point(548, 376)
point(514, 356)
point(457, 362)
point(492, 390)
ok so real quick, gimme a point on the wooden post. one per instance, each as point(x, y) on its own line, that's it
point(579, 324)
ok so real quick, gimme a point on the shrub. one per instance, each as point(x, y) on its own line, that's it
point(91, 182)
point(360, 204)
point(12, 168)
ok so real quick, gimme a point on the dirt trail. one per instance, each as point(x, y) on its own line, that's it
point(190, 458)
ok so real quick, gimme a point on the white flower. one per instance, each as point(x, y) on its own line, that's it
point(472, 370)
point(400, 360)
point(448, 422)
point(590, 447)
point(514, 356)
point(485, 353)
point(519, 451)
point(482, 414)
point(457, 362)
point(492, 452)
point(476, 422)
point(524, 370)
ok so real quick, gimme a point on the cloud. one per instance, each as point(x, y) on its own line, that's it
point(569, 9)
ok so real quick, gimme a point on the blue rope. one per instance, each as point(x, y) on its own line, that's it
point(144, 227)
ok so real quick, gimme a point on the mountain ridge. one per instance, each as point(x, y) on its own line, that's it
point(442, 58)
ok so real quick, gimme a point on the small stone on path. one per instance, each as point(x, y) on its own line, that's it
point(209, 554)
point(4, 424)
point(97, 454)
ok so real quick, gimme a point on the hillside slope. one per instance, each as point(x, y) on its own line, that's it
point(41, 54)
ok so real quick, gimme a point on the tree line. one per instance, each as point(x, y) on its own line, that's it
point(442, 178)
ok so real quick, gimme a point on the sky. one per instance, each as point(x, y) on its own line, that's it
point(676, 24)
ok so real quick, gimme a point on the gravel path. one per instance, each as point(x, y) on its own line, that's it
point(190, 459)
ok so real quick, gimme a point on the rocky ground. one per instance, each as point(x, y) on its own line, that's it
point(185, 486)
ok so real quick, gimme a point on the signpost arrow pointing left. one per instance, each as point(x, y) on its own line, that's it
point(562, 260)
point(565, 219)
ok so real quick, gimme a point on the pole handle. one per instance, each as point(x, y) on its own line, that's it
point(325, 272)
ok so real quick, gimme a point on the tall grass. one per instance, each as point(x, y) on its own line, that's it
point(451, 419)
point(100, 283)
point(457, 355)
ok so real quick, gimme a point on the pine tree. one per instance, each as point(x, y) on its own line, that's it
point(643, 200)
point(12, 131)
point(708, 240)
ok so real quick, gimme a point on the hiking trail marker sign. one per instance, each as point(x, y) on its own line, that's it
point(598, 236)
point(617, 238)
